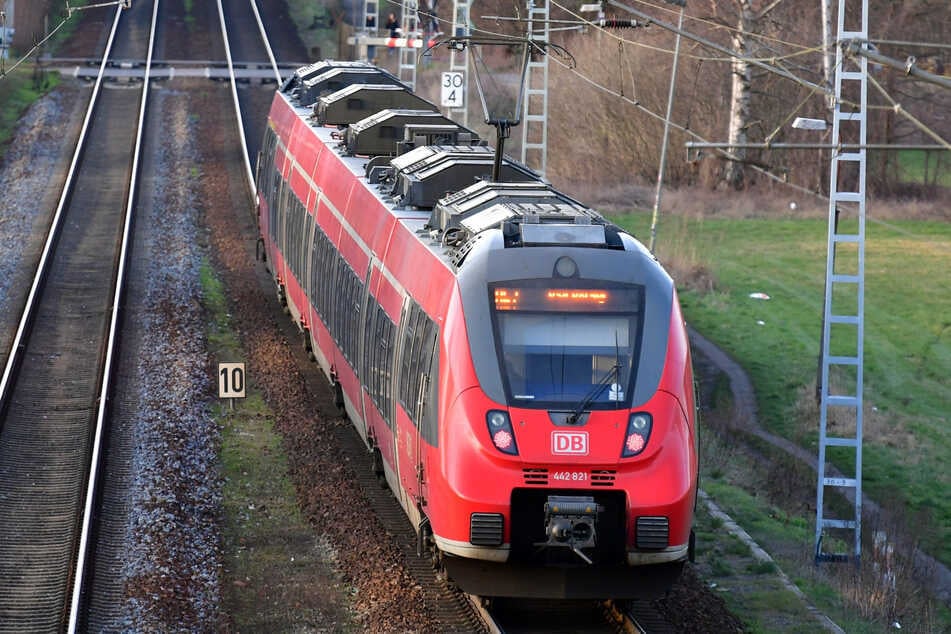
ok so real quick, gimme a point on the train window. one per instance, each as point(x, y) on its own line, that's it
point(315, 270)
point(322, 254)
point(265, 163)
point(378, 355)
point(561, 346)
point(274, 214)
point(350, 314)
point(306, 259)
point(416, 359)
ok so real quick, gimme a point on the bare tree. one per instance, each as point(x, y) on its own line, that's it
point(745, 21)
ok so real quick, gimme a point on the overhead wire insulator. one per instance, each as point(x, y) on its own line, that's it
point(619, 24)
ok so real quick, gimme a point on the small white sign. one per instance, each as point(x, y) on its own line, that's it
point(569, 442)
point(453, 90)
point(231, 380)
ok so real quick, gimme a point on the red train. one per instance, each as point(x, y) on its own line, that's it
point(518, 366)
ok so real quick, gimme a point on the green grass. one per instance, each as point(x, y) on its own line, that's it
point(918, 166)
point(907, 341)
point(315, 27)
point(278, 574)
point(750, 588)
point(189, 15)
point(19, 89)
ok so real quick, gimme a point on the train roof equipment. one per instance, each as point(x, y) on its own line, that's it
point(358, 101)
point(333, 79)
point(528, 214)
point(422, 176)
point(304, 73)
point(378, 134)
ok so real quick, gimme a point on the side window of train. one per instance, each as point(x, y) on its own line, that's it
point(416, 368)
point(326, 278)
point(378, 357)
point(275, 181)
point(307, 245)
point(273, 213)
point(290, 226)
point(317, 271)
point(284, 210)
point(300, 238)
point(265, 165)
point(350, 303)
point(333, 298)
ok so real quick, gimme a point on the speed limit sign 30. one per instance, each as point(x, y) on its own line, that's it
point(453, 89)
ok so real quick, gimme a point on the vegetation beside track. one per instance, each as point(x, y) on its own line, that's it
point(907, 359)
point(19, 89)
point(907, 340)
point(271, 552)
point(319, 27)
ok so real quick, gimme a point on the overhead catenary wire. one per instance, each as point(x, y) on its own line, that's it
point(898, 109)
point(803, 49)
point(637, 104)
point(125, 4)
point(779, 179)
point(815, 88)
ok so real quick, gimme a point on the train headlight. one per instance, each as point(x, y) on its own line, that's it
point(638, 432)
point(500, 430)
point(565, 267)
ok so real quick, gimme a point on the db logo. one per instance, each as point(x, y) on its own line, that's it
point(570, 442)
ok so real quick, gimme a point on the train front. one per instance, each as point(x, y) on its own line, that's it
point(568, 446)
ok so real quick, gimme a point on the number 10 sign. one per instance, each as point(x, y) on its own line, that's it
point(231, 380)
point(453, 90)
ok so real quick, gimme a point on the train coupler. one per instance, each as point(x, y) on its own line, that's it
point(571, 522)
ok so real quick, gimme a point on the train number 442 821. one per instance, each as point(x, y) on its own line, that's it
point(571, 476)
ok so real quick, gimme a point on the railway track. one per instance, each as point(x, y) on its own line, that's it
point(455, 611)
point(245, 38)
point(56, 381)
point(104, 592)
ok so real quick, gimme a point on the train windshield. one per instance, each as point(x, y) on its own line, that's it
point(563, 346)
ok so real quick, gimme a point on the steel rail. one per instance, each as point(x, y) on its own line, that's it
point(111, 346)
point(267, 42)
point(477, 604)
point(17, 347)
point(249, 172)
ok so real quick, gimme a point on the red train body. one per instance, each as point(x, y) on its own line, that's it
point(519, 366)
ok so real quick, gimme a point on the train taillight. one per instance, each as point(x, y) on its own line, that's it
point(500, 430)
point(638, 433)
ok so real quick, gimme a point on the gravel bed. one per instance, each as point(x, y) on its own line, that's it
point(31, 162)
point(172, 575)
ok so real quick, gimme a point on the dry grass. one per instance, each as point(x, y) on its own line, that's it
point(763, 201)
point(887, 587)
point(879, 428)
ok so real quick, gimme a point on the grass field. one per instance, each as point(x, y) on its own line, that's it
point(927, 168)
point(907, 390)
point(17, 91)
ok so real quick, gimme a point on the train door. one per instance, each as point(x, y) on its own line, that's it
point(426, 407)
point(283, 207)
point(366, 315)
point(417, 354)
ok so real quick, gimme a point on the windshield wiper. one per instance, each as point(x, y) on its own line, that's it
point(594, 393)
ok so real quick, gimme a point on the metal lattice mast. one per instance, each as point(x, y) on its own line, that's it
point(535, 109)
point(410, 24)
point(459, 59)
point(371, 17)
point(840, 415)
